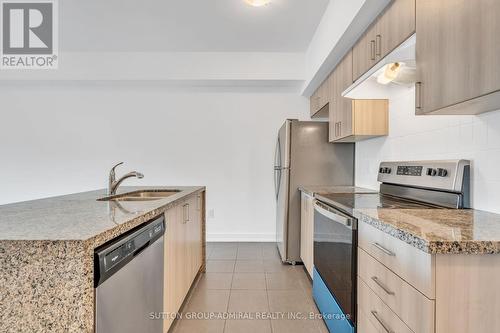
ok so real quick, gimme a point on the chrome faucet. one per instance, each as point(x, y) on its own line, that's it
point(113, 183)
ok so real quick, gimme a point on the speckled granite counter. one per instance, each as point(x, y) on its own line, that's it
point(46, 255)
point(439, 231)
point(318, 189)
point(433, 230)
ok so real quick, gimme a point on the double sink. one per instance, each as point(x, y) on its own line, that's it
point(141, 195)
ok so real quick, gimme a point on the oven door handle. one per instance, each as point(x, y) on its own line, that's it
point(334, 215)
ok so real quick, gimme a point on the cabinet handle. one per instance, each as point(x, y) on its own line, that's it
point(382, 286)
point(186, 213)
point(384, 250)
point(340, 128)
point(381, 322)
point(372, 49)
point(378, 45)
point(418, 95)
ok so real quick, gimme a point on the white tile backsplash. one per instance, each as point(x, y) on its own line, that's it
point(414, 137)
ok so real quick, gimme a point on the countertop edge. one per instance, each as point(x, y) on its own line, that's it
point(431, 247)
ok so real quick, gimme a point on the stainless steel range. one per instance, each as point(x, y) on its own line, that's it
point(404, 185)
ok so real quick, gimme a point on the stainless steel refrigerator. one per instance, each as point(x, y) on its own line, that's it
point(304, 157)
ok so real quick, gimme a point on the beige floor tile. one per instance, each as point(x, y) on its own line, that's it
point(250, 253)
point(215, 281)
point(250, 301)
point(295, 326)
point(206, 300)
point(293, 301)
point(199, 326)
point(248, 326)
point(256, 281)
point(249, 266)
point(288, 280)
point(275, 266)
point(220, 266)
point(223, 253)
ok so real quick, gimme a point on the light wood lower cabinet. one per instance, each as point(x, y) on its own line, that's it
point(413, 291)
point(307, 232)
point(183, 252)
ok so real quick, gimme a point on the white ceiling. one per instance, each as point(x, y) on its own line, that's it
point(188, 25)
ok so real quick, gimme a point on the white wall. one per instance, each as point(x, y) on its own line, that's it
point(57, 140)
point(437, 137)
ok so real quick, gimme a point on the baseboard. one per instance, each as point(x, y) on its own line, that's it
point(241, 237)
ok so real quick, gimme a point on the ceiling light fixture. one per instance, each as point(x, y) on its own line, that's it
point(258, 3)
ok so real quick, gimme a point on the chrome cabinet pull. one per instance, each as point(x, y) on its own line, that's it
point(186, 213)
point(383, 249)
point(382, 286)
point(372, 49)
point(418, 95)
point(340, 128)
point(381, 322)
point(378, 46)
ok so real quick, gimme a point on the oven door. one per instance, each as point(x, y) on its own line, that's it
point(335, 256)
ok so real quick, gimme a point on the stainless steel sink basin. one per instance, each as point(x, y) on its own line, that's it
point(142, 195)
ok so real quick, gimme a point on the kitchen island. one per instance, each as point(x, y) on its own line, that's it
point(47, 253)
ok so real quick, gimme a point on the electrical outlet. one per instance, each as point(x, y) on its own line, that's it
point(211, 213)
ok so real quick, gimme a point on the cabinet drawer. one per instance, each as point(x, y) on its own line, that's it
point(364, 323)
point(411, 264)
point(416, 310)
point(379, 314)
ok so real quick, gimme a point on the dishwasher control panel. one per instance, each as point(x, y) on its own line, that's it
point(109, 257)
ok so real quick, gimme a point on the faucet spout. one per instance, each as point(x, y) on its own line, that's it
point(113, 183)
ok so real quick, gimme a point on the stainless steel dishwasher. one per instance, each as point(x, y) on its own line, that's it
point(129, 281)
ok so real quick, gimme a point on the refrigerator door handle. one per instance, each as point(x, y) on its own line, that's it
point(277, 181)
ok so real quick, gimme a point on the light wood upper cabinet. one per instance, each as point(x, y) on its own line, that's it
point(319, 101)
point(364, 53)
point(458, 61)
point(394, 26)
point(391, 28)
point(354, 120)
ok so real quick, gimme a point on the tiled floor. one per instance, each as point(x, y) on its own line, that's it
point(248, 282)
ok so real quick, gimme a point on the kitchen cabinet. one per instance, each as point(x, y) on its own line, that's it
point(364, 53)
point(429, 293)
point(183, 252)
point(457, 56)
point(307, 232)
point(390, 29)
point(394, 26)
point(354, 120)
point(319, 100)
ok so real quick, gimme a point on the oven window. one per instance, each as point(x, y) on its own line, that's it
point(335, 260)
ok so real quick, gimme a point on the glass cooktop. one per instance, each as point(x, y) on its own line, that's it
point(350, 201)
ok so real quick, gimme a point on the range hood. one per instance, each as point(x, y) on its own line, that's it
point(394, 72)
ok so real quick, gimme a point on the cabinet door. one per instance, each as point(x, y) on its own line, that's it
point(174, 292)
point(194, 227)
point(394, 26)
point(341, 107)
point(457, 51)
point(320, 98)
point(364, 53)
point(306, 232)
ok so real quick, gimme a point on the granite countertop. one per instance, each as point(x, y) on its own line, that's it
point(47, 255)
point(435, 231)
point(439, 231)
point(312, 190)
point(80, 217)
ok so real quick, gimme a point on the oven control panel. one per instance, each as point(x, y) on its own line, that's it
point(410, 170)
point(445, 175)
